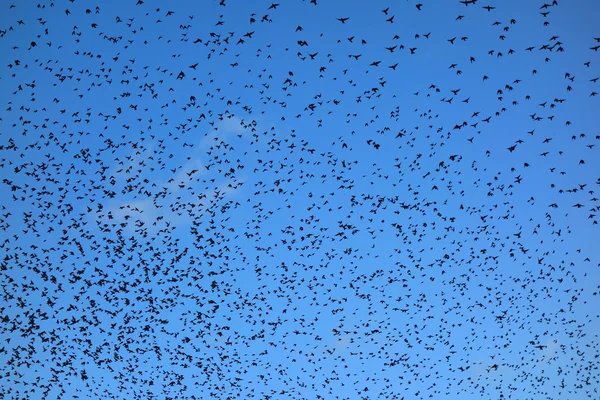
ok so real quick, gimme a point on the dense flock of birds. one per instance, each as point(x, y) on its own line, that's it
point(305, 199)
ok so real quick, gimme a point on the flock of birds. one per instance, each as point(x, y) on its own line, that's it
point(305, 199)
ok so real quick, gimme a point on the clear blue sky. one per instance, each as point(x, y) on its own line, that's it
point(340, 200)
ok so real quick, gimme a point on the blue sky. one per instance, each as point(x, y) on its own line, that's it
point(256, 200)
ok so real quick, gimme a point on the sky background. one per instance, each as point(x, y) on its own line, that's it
point(245, 199)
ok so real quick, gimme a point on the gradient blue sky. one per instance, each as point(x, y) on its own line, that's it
point(240, 200)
